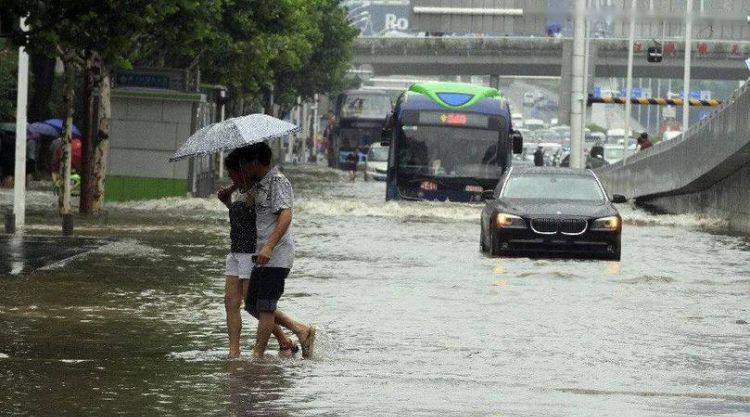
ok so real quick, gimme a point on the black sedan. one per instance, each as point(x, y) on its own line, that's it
point(551, 212)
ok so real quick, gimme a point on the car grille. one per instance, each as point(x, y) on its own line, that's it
point(548, 226)
point(571, 226)
point(552, 226)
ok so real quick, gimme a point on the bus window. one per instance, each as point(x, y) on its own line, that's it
point(365, 106)
point(450, 152)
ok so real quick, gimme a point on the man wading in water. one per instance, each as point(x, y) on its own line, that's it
point(239, 263)
point(273, 208)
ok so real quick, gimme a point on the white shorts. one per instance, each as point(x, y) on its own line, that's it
point(240, 265)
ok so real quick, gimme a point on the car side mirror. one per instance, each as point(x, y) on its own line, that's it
point(488, 195)
point(517, 139)
point(619, 199)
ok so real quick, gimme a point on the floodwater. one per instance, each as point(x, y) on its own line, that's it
point(412, 319)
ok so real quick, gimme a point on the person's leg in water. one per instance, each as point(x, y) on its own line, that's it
point(232, 303)
point(305, 333)
point(267, 286)
point(235, 290)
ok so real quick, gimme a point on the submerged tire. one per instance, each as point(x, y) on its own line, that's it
point(494, 245)
point(482, 246)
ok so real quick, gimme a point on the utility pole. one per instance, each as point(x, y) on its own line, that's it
point(686, 77)
point(19, 187)
point(629, 82)
point(577, 99)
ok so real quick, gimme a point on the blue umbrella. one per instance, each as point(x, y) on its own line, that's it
point(58, 124)
point(43, 129)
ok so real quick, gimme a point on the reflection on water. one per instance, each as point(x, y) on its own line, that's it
point(413, 319)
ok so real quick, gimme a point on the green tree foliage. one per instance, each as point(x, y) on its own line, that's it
point(8, 74)
point(255, 38)
point(325, 68)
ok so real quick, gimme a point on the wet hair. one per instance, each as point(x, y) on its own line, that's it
point(260, 152)
point(644, 135)
point(232, 161)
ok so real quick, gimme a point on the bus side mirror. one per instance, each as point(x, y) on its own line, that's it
point(385, 136)
point(517, 139)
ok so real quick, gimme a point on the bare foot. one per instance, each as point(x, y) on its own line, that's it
point(308, 342)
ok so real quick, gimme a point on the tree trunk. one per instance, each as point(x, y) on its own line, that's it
point(95, 144)
point(102, 142)
point(69, 100)
point(89, 134)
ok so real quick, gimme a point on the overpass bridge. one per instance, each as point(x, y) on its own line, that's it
point(707, 171)
point(529, 56)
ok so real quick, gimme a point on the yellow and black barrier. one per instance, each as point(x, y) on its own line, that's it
point(657, 101)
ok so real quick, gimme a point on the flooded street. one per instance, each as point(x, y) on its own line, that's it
point(413, 320)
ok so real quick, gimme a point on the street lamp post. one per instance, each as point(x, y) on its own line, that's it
point(19, 187)
point(576, 105)
point(629, 82)
point(686, 74)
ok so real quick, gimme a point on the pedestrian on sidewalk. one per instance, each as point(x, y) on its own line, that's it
point(239, 261)
point(273, 206)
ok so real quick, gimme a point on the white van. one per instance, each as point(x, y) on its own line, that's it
point(670, 134)
point(615, 136)
point(533, 124)
point(516, 120)
point(376, 165)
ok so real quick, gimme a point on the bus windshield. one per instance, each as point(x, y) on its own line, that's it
point(450, 152)
point(365, 106)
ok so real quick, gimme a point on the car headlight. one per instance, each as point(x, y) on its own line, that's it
point(509, 221)
point(606, 224)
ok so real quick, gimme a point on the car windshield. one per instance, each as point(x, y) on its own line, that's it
point(378, 155)
point(449, 152)
point(371, 106)
point(553, 187)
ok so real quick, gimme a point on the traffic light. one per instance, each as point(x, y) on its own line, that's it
point(654, 54)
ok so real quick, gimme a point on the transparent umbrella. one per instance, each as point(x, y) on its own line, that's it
point(234, 133)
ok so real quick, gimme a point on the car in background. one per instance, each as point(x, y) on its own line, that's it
point(376, 164)
point(592, 162)
point(613, 153)
point(534, 124)
point(670, 134)
point(529, 98)
point(615, 136)
point(516, 120)
point(551, 212)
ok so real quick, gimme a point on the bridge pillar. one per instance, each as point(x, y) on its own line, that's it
point(566, 79)
point(495, 81)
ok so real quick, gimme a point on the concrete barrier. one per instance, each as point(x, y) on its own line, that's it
point(706, 171)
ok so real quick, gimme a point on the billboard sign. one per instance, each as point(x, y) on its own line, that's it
point(382, 16)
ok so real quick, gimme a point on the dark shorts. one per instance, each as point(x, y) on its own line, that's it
point(266, 287)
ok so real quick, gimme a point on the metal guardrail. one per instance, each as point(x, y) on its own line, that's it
point(710, 151)
point(655, 101)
